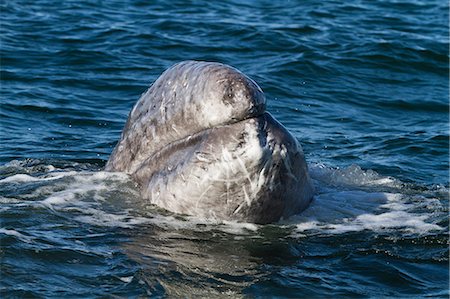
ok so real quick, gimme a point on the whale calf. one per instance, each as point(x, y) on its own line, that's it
point(200, 142)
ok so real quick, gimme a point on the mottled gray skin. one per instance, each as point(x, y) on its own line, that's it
point(199, 142)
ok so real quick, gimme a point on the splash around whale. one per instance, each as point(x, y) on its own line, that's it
point(199, 142)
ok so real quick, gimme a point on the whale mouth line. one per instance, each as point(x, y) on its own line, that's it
point(194, 135)
point(194, 138)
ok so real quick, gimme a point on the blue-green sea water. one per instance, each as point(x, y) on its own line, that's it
point(362, 84)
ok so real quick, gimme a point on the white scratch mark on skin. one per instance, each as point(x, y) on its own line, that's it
point(227, 184)
point(239, 208)
point(246, 173)
point(201, 158)
point(226, 156)
point(262, 177)
point(202, 195)
point(213, 214)
point(155, 193)
point(221, 80)
point(247, 199)
point(287, 163)
point(235, 139)
point(199, 181)
point(161, 106)
point(235, 180)
point(175, 129)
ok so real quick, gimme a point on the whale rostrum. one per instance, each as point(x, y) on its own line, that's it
point(199, 142)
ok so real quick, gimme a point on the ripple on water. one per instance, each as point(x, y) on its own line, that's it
point(363, 86)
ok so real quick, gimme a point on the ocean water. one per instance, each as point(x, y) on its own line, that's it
point(363, 85)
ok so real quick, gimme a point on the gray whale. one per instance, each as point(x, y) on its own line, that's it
point(199, 142)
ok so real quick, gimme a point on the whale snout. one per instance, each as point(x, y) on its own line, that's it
point(242, 93)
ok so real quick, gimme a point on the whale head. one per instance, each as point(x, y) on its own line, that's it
point(199, 142)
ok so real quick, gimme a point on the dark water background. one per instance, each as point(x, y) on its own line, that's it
point(362, 84)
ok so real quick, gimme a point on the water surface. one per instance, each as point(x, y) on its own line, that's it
point(362, 85)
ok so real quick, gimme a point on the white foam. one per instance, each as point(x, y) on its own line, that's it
point(394, 219)
point(83, 184)
point(126, 279)
point(19, 178)
point(24, 178)
point(8, 200)
point(351, 176)
point(348, 200)
point(87, 193)
point(82, 192)
point(101, 218)
point(29, 166)
point(239, 228)
point(348, 211)
point(202, 224)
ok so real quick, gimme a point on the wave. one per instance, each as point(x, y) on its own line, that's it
point(347, 200)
